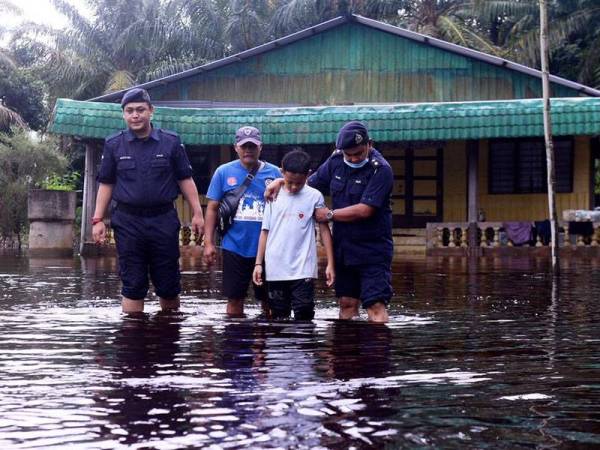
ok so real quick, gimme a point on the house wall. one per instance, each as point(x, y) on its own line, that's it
point(455, 181)
point(353, 64)
point(513, 207)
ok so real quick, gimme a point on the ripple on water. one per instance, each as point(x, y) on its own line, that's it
point(478, 358)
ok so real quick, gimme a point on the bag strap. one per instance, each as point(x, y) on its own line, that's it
point(239, 191)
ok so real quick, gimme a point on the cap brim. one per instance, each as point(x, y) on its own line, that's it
point(246, 140)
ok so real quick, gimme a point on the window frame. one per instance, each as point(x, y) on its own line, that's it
point(518, 170)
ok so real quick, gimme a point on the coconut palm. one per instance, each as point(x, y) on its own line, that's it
point(124, 42)
point(8, 117)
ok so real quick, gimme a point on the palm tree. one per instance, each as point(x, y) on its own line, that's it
point(8, 117)
point(515, 27)
point(125, 42)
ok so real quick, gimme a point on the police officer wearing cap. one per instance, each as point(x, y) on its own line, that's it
point(143, 170)
point(360, 183)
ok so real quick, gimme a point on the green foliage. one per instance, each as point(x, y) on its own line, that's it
point(23, 94)
point(24, 164)
point(67, 182)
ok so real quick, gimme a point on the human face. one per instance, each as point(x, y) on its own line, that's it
point(294, 182)
point(248, 153)
point(356, 154)
point(137, 116)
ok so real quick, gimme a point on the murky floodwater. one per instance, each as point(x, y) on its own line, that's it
point(476, 356)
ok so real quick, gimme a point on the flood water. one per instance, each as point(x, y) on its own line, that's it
point(482, 354)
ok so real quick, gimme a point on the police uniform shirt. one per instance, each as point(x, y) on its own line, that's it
point(144, 172)
point(364, 241)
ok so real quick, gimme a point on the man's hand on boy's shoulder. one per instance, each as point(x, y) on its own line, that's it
point(272, 189)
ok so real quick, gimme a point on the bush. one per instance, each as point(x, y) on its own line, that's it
point(25, 163)
point(66, 182)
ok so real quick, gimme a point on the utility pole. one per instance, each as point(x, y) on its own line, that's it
point(548, 136)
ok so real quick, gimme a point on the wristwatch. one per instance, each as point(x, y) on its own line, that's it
point(330, 214)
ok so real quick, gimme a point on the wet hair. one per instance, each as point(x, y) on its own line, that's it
point(296, 161)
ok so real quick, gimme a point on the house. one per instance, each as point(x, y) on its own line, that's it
point(463, 130)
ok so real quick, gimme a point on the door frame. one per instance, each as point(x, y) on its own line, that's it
point(408, 219)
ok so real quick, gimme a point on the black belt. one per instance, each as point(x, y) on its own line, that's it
point(144, 211)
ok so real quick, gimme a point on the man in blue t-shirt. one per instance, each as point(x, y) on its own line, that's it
point(240, 242)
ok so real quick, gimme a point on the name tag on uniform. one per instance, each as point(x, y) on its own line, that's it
point(358, 181)
point(337, 177)
point(124, 157)
point(160, 156)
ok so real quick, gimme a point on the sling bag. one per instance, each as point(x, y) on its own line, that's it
point(229, 203)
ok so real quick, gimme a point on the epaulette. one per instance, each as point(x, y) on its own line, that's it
point(113, 136)
point(375, 164)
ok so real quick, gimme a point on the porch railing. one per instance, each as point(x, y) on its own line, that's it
point(448, 235)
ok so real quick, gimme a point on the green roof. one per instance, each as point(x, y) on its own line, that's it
point(317, 125)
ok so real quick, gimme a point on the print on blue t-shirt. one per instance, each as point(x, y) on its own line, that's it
point(242, 237)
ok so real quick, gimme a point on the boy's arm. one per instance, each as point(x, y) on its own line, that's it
point(328, 244)
point(260, 255)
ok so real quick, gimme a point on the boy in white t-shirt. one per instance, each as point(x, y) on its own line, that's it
point(288, 245)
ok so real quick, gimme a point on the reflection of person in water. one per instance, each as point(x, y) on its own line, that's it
point(142, 346)
point(357, 350)
point(361, 352)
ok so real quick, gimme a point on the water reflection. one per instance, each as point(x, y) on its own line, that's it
point(480, 353)
point(140, 359)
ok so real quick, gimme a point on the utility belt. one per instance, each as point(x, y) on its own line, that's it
point(144, 211)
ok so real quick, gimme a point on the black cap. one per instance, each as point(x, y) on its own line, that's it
point(352, 134)
point(135, 95)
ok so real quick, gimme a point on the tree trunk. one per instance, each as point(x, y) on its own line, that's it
point(548, 135)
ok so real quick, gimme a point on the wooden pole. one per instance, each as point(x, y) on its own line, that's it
point(548, 135)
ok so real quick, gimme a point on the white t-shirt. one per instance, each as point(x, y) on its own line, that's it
point(291, 252)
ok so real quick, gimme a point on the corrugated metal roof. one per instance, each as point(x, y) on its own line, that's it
point(333, 23)
point(315, 125)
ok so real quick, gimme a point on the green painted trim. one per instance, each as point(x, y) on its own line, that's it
point(319, 125)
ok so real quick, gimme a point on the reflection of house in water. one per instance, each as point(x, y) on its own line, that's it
point(462, 129)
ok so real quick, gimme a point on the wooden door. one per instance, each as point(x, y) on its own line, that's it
point(417, 197)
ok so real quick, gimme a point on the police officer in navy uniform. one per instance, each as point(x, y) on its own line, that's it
point(143, 170)
point(360, 183)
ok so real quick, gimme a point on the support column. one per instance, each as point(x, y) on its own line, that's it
point(93, 153)
point(473, 194)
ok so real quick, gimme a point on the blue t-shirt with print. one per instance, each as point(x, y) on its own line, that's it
point(242, 237)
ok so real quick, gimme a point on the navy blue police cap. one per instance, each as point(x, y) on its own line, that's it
point(352, 134)
point(135, 95)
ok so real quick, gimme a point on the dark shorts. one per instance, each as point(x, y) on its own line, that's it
point(371, 283)
point(237, 275)
point(296, 295)
point(148, 245)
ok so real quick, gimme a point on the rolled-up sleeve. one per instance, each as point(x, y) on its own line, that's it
point(107, 174)
point(321, 178)
point(377, 192)
point(183, 168)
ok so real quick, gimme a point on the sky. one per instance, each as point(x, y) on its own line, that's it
point(41, 11)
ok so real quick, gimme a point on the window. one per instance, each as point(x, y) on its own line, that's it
point(519, 166)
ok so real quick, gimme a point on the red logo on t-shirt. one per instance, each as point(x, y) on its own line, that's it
point(231, 181)
point(300, 215)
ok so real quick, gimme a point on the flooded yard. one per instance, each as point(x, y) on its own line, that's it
point(488, 353)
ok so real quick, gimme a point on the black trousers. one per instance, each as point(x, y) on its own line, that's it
point(296, 295)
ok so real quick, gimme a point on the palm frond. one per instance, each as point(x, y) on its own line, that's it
point(10, 118)
point(119, 80)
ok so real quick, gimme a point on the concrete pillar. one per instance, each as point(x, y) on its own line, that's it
point(93, 153)
point(51, 216)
